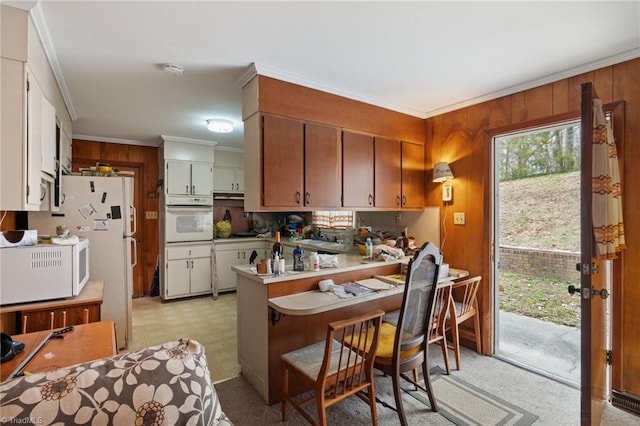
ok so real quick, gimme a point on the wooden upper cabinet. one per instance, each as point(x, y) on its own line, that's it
point(357, 170)
point(282, 154)
point(321, 166)
point(413, 176)
point(387, 173)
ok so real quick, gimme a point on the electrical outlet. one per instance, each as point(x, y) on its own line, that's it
point(458, 218)
point(151, 215)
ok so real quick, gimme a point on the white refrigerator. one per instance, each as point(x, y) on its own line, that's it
point(101, 209)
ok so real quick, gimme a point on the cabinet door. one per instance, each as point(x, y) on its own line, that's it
point(201, 179)
point(413, 176)
point(178, 178)
point(224, 179)
point(239, 180)
point(387, 173)
point(357, 170)
point(321, 166)
point(282, 162)
point(200, 275)
point(65, 152)
point(48, 164)
point(225, 259)
point(177, 283)
point(34, 141)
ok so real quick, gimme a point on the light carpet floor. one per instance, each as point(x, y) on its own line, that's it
point(213, 324)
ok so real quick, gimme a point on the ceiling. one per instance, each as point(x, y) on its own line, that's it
point(422, 58)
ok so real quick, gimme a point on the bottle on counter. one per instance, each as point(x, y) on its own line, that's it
point(278, 249)
point(368, 249)
point(314, 261)
point(298, 258)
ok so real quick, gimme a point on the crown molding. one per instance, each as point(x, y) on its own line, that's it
point(114, 140)
point(43, 33)
point(571, 72)
point(248, 75)
point(229, 149)
point(188, 140)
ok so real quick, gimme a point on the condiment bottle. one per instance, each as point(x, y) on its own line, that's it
point(298, 258)
point(314, 261)
point(277, 249)
point(368, 249)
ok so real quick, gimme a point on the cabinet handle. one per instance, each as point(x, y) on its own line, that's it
point(192, 264)
point(307, 198)
point(397, 200)
point(404, 200)
point(370, 199)
point(64, 318)
point(51, 314)
point(187, 264)
point(297, 197)
point(193, 189)
point(244, 255)
point(238, 253)
point(24, 323)
point(186, 189)
point(85, 318)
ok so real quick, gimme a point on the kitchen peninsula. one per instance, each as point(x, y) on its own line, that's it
point(265, 333)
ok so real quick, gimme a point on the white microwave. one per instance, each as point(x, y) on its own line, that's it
point(43, 272)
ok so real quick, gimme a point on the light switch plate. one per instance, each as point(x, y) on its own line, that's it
point(151, 215)
point(458, 218)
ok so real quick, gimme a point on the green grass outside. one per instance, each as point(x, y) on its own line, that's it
point(543, 298)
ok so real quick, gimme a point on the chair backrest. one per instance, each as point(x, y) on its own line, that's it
point(418, 300)
point(440, 309)
point(468, 289)
point(347, 366)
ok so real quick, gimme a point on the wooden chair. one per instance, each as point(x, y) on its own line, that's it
point(336, 368)
point(437, 329)
point(404, 344)
point(463, 306)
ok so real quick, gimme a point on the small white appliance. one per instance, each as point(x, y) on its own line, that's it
point(101, 209)
point(43, 272)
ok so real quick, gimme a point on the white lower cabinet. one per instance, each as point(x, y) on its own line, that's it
point(230, 253)
point(188, 270)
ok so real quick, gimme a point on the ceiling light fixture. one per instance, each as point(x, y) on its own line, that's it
point(220, 125)
point(173, 69)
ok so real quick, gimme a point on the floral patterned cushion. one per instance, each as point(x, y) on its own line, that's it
point(159, 385)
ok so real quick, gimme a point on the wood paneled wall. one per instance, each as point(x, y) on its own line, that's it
point(146, 160)
point(463, 138)
point(291, 100)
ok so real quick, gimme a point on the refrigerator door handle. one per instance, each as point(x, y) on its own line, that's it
point(135, 221)
point(135, 252)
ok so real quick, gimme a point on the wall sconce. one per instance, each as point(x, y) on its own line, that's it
point(220, 125)
point(442, 173)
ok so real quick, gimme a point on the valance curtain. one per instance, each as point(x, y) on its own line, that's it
point(332, 219)
point(608, 226)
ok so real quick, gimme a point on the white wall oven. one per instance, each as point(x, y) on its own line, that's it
point(188, 223)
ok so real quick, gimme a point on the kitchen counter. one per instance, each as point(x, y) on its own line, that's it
point(346, 263)
point(265, 333)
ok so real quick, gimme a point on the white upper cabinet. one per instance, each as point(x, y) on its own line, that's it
point(30, 106)
point(187, 178)
point(187, 167)
point(228, 179)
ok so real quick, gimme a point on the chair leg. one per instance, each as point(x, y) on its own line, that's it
point(476, 324)
point(455, 340)
point(398, 397)
point(372, 403)
point(445, 353)
point(427, 386)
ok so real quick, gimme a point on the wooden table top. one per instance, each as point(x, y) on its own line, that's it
point(91, 293)
point(86, 342)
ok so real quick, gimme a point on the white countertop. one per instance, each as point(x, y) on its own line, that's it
point(346, 263)
point(315, 301)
